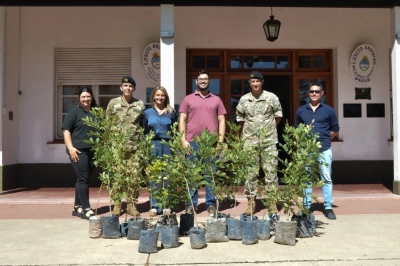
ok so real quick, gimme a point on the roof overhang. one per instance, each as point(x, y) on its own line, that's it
point(236, 3)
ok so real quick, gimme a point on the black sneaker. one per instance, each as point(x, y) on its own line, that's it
point(211, 210)
point(330, 214)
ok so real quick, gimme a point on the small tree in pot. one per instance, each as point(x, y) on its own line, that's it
point(174, 176)
point(121, 164)
point(235, 164)
point(300, 170)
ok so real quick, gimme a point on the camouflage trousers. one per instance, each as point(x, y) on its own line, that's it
point(267, 159)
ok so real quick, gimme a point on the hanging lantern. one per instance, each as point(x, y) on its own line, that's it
point(271, 28)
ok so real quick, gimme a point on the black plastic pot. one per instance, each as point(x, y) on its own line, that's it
point(169, 219)
point(95, 227)
point(249, 232)
point(305, 225)
point(110, 226)
point(169, 236)
point(244, 217)
point(285, 233)
point(197, 238)
point(148, 241)
point(135, 226)
point(234, 229)
point(263, 230)
point(186, 223)
point(123, 227)
point(216, 230)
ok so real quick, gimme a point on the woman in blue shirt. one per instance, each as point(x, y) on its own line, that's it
point(159, 119)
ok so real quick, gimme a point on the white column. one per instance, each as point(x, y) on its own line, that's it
point(167, 51)
point(396, 96)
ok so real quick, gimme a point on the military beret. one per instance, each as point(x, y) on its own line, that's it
point(128, 79)
point(256, 75)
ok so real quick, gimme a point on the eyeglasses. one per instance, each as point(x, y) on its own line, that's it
point(203, 79)
point(313, 91)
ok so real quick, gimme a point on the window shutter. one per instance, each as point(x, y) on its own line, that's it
point(92, 66)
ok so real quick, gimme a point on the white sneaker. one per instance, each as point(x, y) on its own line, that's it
point(167, 212)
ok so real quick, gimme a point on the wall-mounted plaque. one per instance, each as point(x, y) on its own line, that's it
point(352, 110)
point(363, 93)
point(375, 110)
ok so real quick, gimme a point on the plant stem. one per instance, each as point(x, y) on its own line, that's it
point(109, 193)
point(191, 201)
point(98, 199)
point(234, 207)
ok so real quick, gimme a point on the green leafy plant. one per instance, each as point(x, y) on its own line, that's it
point(233, 165)
point(300, 169)
point(174, 174)
point(121, 154)
point(227, 164)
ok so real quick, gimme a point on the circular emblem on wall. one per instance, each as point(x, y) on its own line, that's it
point(152, 62)
point(363, 63)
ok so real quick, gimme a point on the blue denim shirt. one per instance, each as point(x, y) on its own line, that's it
point(159, 124)
point(325, 121)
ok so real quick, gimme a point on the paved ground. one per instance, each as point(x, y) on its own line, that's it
point(49, 203)
point(37, 228)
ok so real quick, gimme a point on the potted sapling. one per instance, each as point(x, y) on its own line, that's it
point(300, 170)
point(121, 164)
point(184, 175)
point(209, 154)
point(235, 163)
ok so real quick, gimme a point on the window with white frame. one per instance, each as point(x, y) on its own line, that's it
point(99, 68)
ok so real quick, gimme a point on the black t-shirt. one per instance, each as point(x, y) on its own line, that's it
point(79, 131)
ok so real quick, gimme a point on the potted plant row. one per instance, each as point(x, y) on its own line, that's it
point(227, 164)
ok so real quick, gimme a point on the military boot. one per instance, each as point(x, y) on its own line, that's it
point(132, 211)
point(251, 205)
point(117, 209)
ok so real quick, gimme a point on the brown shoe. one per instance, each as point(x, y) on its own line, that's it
point(251, 205)
point(132, 211)
point(117, 209)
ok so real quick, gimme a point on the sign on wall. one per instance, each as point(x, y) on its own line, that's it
point(152, 62)
point(363, 63)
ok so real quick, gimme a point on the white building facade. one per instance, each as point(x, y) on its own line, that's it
point(36, 40)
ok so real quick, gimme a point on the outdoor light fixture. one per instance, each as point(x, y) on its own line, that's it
point(271, 28)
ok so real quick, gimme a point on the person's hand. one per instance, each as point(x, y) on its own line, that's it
point(73, 153)
point(186, 145)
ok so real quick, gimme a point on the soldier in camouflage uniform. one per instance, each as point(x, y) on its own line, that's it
point(259, 113)
point(130, 112)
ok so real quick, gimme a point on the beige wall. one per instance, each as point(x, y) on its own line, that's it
point(45, 28)
point(11, 103)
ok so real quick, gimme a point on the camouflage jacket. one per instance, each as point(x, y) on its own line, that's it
point(130, 116)
point(259, 117)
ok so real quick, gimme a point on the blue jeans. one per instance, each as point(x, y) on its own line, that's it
point(210, 196)
point(325, 174)
point(158, 150)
